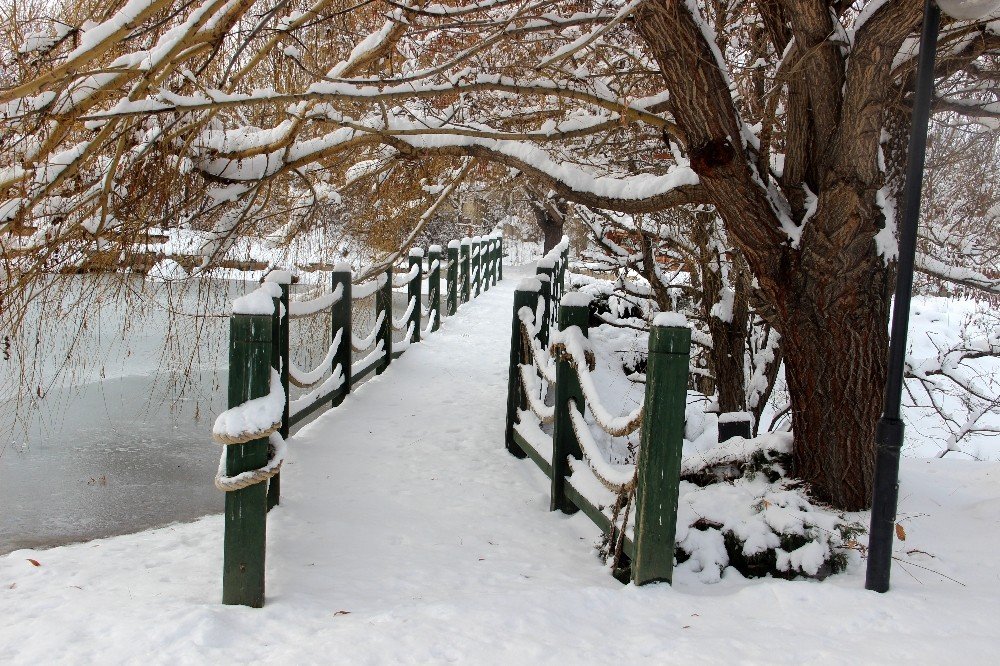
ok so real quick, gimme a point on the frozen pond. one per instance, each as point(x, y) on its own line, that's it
point(114, 447)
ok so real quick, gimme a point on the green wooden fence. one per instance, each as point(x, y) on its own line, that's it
point(256, 425)
point(558, 439)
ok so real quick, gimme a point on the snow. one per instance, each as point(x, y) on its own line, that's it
point(253, 416)
point(416, 252)
point(259, 301)
point(529, 284)
point(407, 534)
point(970, 10)
point(575, 299)
point(670, 320)
point(318, 304)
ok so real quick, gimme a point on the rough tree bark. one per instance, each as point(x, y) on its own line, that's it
point(830, 291)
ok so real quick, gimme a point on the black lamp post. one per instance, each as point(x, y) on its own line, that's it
point(889, 435)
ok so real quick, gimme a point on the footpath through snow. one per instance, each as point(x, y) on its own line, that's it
point(407, 534)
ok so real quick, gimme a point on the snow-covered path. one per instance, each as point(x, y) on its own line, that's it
point(407, 534)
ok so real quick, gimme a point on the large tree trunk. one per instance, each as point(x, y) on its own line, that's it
point(552, 231)
point(825, 282)
point(835, 366)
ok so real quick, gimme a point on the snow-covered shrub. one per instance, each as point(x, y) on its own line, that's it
point(737, 506)
point(737, 509)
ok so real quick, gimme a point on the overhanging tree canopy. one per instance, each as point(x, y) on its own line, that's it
point(787, 117)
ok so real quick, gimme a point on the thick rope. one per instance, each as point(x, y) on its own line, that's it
point(322, 303)
point(361, 344)
point(273, 402)
point(529, 380)
point(366, 289)
point(246, 436)
point(401, 323)
point(542, 364)
point(602, 470)
point(408, 277)
point(303, 379)
point(616, 426)
point(276, 456)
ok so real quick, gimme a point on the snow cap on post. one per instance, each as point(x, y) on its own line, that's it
point(342, 267)
point(545, 262)
point(453, 244)
point(670, 320)
point(435, 249)
point(734, 417)
point(416, 252)
point(575, 299)
point(260, 301)
point(466, 241)
point(529, 284)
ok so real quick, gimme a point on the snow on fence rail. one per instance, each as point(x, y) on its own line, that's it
point(581, 480)
point(255, 428)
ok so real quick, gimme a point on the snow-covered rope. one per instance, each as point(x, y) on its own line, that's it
point(528, 335)
point(406, 341)
point(573, 344)
point(277, 447)
point(372, 356)
point(613, 477)
point(319, 304)
point(529, 379)
point(361, 344)
point(430, 324)
point(304, 379)
point(331, 383)
point(408, 277)
point(398, 324)
point(366, 289)
point(254, 419)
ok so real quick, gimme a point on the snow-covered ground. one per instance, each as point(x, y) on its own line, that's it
point(407, 534)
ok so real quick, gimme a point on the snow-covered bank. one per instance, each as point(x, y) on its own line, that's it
point(407, 534)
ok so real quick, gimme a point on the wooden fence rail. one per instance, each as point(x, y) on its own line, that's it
point(260, 415)
point(566, 452)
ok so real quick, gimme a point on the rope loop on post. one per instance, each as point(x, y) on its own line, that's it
point(276, 456)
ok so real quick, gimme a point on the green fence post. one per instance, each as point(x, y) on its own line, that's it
point(544, 274)
point(466, 269)
point(496, 258)
point(434, 286)
point(477, 265)
point(413, 290)
point(340, 319)
point(659, 464)
point(484, 245)
point(383, 307)
point(453, 277)
point(250, 342)
point(279, 361)
point(563, 265)
point(500, 257)
point(575, 312)
point(525, 296)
